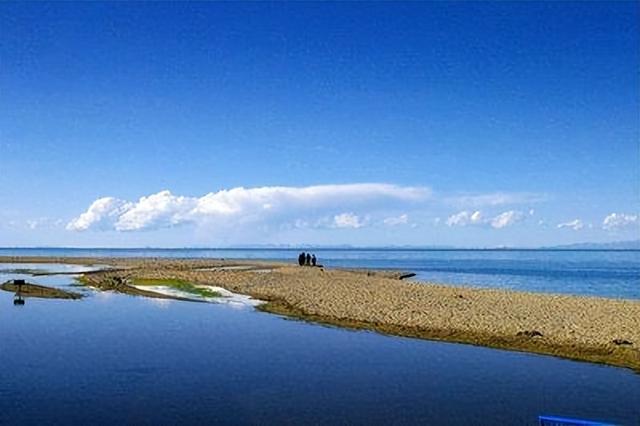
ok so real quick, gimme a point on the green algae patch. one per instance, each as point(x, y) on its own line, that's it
point(181, 285)
point(81, 280)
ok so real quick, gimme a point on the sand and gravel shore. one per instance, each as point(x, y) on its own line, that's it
point(583, 328)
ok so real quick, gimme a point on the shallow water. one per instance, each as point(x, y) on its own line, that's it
point(17, 268)
point(604, 273)
point(112, 359)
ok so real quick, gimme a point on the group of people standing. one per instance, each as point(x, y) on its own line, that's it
point(306, 259)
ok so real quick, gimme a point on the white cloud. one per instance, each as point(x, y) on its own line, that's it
point(465, 218)
point(476, 217)
point(164, 209)
point(575, 224)
point(403, 219)
point(619, 220)
point(300, 223)
point(495, 199)
point(102, 214)
point(506, 219)
point(156, 211)
point(43, 223)
point(347, 220)
point(503, 220)
point(238, 200)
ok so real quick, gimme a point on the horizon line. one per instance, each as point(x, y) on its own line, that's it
point(339, 248)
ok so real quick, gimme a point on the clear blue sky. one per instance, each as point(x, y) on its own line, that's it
point(526, 110)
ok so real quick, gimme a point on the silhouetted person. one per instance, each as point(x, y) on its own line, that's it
point(308, 259)
point(313, 260)
point(301, 259)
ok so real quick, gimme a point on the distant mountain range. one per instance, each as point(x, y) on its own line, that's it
point(616, 245)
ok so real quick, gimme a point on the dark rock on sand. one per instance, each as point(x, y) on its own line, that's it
point(529, 333)
point(408, 275)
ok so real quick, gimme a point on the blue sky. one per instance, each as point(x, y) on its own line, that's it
point(467, 124)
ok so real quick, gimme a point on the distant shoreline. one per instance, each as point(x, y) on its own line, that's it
point(577, 327)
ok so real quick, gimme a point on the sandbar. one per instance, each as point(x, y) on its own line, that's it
point(583, 328)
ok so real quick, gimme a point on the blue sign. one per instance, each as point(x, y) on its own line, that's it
point(564, 421)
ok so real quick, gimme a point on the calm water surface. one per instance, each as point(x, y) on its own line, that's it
point(113, 359)
point(604, 273)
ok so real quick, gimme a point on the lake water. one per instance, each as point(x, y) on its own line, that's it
point(115, 359)
point(593, 273)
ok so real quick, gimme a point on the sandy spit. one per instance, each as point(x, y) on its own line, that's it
point(583, 328)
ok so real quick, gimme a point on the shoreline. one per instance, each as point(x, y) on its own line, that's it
point(583, 328)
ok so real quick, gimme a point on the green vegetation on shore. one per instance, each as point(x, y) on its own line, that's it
point(177, 284)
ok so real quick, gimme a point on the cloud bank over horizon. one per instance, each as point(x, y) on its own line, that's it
point(242, 205)
point(336, 212)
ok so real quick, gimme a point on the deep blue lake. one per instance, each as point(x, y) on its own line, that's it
point(116, 359)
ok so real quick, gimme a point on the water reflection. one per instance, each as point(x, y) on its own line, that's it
point(17, 299)
point(118, 359)
point(23, 289)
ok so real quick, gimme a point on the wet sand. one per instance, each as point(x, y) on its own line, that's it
point(583, 328)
